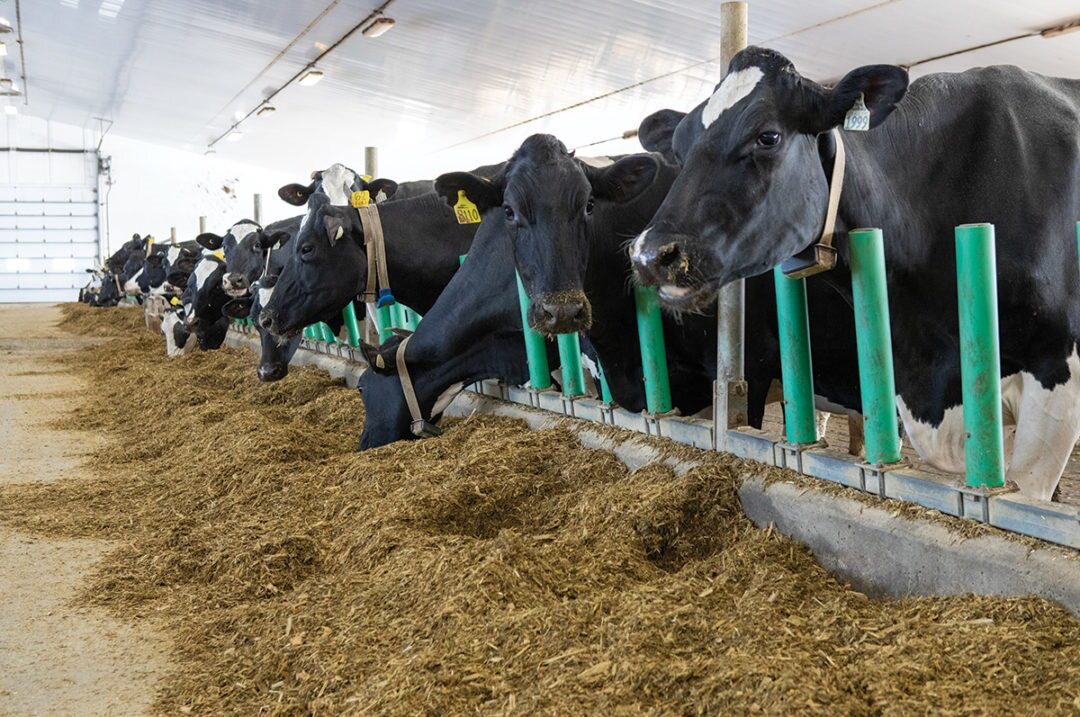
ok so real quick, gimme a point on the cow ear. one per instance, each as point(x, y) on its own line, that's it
point(656, 131)
point(268, 240)
point(483, 193)
point(295, 194)
point(237, 308)
point(625, 179)
point(384, 187)
point(881, 87)
point(335, 228)
point(381, 359)
point(209, 241)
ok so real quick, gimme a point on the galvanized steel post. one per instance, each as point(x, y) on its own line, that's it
point(172, 235)
point(371, 161)
point(729, 390)
point(258, 209)
point(980, 359)
point(202, 225)
point(653, 354)
point(796, 367)
point(535, 350)
point(352, 326)
point(873, 335)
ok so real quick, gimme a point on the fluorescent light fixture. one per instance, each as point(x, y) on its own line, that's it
point(265, 109)
point(310, 78)
point(110, 8)
point(1061, 29)
point(234, 136)
point(378, 26)
point(70, 3)
point(5, 25)
point(11, 110)
point(3, 50)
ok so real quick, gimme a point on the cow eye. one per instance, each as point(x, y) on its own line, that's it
point(307, 249)
point(768, 139)
point(509, 212)
point(590, 206)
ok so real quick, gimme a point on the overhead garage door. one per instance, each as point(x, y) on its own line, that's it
point(48, 223)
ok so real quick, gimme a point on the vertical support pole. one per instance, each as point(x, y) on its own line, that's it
point(258, 209)
point(309, 332)
point(172, 235)
point(605, 390)
point(573, 377)
point(371, 161)
point(796, 367)
point(202, 225)
point(535, 351)
point(653, 353)
point(729, 390)
point(384, 322)
point(980, 359)
point(326, 333)
point(873, 335)
point(352, 326)
point(1078, 239)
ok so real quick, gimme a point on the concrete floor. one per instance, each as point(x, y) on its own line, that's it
point(56, 659)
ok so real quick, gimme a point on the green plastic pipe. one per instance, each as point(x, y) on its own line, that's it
point(1078, 239)
point(980, 359)
point(653, 353)
point(535, 351)
point(352, 326)
point(326, 333)
point(397, 315)
point(573, 377)
point(309, 332)
point(796, 368)
point(873, 335)
point(605, 390)
point(412, 319)
point(383, 322)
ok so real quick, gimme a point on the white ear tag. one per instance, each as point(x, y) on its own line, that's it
point(340, 233)
point(857, 118)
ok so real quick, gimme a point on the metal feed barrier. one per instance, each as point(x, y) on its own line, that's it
point(980, 497)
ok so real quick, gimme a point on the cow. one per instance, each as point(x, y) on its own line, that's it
point(992, 144)
point(328, 265)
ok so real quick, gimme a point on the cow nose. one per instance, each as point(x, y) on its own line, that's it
point(562, 317)
point(272, 372)
point(266, 320)
point(659, 262)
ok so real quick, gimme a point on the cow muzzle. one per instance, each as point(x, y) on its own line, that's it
point(563, 313)
point(235, 285)
point(272, 372)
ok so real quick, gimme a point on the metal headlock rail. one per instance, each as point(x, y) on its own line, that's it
point(979, 497)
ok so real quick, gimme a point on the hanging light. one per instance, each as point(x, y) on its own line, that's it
point(311, 77)
point(234, 136)
point(265, 109)
point(5, 25)
point(3, 49)
point(378, 26)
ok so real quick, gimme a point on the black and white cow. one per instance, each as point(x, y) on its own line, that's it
point(994, 144)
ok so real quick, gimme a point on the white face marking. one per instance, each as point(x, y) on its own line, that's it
point(337, 183)
point(598, 162)
point(635, 249)
point(131, 286)
point(205, 268)
point(173, 254)
point(241, 230)
point(735, 87)
point(264, 295)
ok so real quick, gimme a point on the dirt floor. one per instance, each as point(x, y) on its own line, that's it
point(494, 570)
point(55, 658)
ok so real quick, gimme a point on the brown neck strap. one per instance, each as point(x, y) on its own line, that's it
point(420, 427)
point(821, 256)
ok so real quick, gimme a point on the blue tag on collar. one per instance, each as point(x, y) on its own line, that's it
point(384, 298)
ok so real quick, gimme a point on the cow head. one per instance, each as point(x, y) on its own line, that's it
point(547, 199)
point(321, 274)
point(247, 260)
point(339, 184)
point(753, 190)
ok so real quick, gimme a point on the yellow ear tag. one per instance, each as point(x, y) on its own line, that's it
point(361, 199)
point(465, 211)
point(220, 254)
point(175, 301)
point(366, 177)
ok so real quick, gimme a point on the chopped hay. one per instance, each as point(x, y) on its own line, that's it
point(492, 570)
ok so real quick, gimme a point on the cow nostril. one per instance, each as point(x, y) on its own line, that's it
point(266, 319)
point(669, 255)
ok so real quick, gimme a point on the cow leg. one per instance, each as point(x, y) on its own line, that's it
point(1048, 425)
point(942, 446)
point(856, 441)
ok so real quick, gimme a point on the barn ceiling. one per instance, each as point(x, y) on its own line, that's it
point(456, 83)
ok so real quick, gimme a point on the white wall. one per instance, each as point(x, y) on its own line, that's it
point(155, 188)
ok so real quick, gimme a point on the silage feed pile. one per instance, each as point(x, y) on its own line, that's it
point(494, 570)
